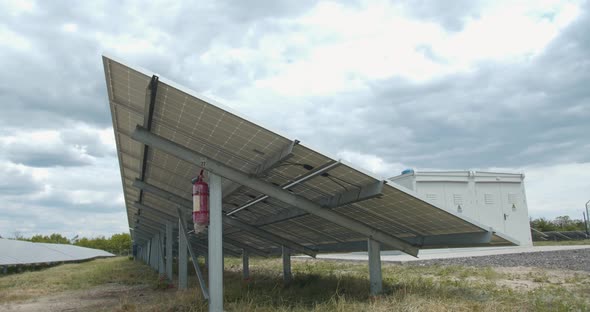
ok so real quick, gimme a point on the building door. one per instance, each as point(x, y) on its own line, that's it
point(489, 201)
point(513, 208)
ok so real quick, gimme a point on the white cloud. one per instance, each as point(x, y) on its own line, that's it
point(372, 163)
point(558, 190)
point(70, 27)
point(379, 41)
point(376, 83)
point(17, 7)
point(12, 40)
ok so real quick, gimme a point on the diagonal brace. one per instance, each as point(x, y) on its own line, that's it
point(227, 220)
point(146, 137)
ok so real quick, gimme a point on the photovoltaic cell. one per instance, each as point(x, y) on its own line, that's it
point(220, 134)
point(15, 252)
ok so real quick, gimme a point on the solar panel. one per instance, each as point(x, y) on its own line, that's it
point(219, 134)
point(15, 252)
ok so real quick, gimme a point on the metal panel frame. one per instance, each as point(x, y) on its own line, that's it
point(144, 136)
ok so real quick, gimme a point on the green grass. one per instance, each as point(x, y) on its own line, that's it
point(562, 243)
point(75, 276)
point(319, 286)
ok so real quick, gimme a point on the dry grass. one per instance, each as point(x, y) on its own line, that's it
point(75, 276)
point(325, 286)
point(562, 243)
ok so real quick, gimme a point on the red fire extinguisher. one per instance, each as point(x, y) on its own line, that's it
point(200, 203)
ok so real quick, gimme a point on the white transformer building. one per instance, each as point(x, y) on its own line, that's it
point(494, 199)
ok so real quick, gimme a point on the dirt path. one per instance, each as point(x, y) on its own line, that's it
point(102, 298)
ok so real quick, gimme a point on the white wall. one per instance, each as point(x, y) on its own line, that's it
point(497, 200)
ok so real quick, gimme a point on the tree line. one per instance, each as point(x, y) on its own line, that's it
point(119, 244)
point(561, 223)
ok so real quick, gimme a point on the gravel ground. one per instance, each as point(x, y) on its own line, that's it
point(576, 259)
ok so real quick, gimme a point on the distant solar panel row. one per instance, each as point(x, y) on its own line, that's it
point(158, 181)
point(15, 252)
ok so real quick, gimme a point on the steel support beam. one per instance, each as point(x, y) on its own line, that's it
point(155, 224)
point(145, 234)
point(289, 214)
point(147, 123)
point(269, 236)
point(436, 241)
point(182, 257)
point(204, 247)
point(183, 232)
point(365, 192)
point(153, 254)
point(144, 136)
point(287, 277)
point(246, 247)
point(152, 226)
point(149, 219)
point(245, 265)
point(187, 205)
point(158, 212)
point(268, 164)
point(238, 244)
point(161, 266)
point(375, 277)
point(140, 234)
point(169, 258)
point(286, 186)
point(215, 234)
point(452, 240)
point(275, 159)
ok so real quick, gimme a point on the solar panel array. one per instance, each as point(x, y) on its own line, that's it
point(15, 252)
point(199, 124)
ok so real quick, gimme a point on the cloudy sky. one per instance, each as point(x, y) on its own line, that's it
point(498, 85)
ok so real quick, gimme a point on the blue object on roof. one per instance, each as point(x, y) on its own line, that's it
point(407, 171)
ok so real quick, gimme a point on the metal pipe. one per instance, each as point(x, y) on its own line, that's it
point(287, 186)
point(375, 276)
point(182, 258)
point(215, 233)
point(245, 265)
point(169, 251)
point(286, 265)
point(183, 232)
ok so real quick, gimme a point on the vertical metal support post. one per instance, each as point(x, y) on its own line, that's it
point(161, 267)
point(375, 277)
point(245, 265)
point(215, 244)
point(286, 265)
point(182, 231)
point(182, 258)
point(148, 252)
point(153, 253)
point(169, 257)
